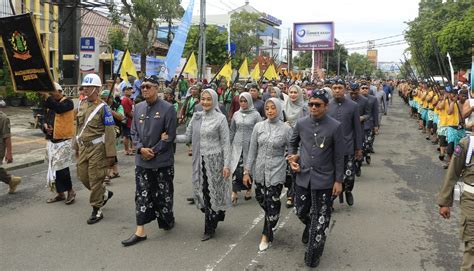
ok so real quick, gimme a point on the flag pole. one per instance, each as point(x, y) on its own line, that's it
point(114, 76)
point(173, 87)
point(220, 69)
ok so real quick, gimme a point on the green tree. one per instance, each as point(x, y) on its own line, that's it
point(359, 65)
point(216, 40)
point(244, 27)
point(116, 38)
point(450, 25)
point(379, 74)
point(144, 15)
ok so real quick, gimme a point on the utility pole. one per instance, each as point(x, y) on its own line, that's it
point(272, 46)
point(202, 42)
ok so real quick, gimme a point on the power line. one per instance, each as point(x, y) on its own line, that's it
point(378, 46)
point(384, 38)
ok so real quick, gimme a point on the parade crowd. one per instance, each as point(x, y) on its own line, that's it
point(308, 139)
point(444, 116)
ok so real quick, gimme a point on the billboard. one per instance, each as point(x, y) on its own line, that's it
point(89, 55)
point(372, 55)
point(313, 36)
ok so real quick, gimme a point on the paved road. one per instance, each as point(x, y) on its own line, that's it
point(393, 225)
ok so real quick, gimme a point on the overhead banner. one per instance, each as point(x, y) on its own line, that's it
point(24, 53)
point(313, 36)
point(89, 55)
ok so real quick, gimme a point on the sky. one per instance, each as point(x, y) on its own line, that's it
point(355, 20)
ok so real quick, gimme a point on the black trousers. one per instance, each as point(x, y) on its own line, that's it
point(4, 176)
point(290, 181)
point(313, 208)
point(269, 199)
point(349, 173)
point(211, 217)
point(63, 180)
point(154, 196)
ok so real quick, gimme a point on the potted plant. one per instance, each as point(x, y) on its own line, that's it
point(32, 99)
point(13, 98)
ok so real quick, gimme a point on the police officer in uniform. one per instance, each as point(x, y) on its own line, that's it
point(94, 145)
point(320, 170)
point(461, 164)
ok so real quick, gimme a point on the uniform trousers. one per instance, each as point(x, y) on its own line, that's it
point(4, 176)
point(91, 170)
point(313, 208)
point(268, 197)
point(154, 196)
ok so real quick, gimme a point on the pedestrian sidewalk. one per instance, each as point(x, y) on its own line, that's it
point(28, 143)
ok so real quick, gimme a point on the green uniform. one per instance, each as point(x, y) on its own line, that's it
point(95, 145)
point(458, 167)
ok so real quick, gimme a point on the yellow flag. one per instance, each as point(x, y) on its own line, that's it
point(270, 73)
point(191, 67)
point(244, 69)
point(256, 73)
point(226, 71)
point(127, 67)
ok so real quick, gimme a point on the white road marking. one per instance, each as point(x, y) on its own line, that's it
point(210, 267)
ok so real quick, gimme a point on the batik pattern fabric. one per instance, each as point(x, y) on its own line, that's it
point(368, 142)
point(290, 181)
point(154, 196)
point(349, 173)
point(59, 156)
point(211, 217)
point(313, 207)
point(238, 177)
point(268, 197)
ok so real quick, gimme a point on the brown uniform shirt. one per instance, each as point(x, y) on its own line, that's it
point(458, 168)
point(4, 133)
point(97, 126)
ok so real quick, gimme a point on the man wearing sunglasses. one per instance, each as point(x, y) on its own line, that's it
point(154, 160)
point(319, 168)
point(346, 112)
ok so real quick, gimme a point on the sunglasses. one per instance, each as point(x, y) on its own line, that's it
point(146, 86)
point(317, 105)
point(364, 88)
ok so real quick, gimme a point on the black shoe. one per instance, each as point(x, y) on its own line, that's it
point(441, 157)
point(190, 200)
point(305, 237)
point(95, 217)
point(132, 240)
point(349, 198)
point(110, 194)
point(368, 160)
point(207, 236)
point(170, 226)
point(358, 173)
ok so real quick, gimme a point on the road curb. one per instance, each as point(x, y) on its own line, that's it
point(24, 165)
